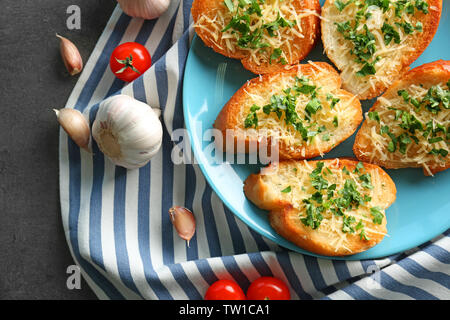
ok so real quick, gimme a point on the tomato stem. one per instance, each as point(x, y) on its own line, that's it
point(128, 63)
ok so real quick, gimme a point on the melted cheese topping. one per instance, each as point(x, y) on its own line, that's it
point(215, 21)
point(416, 154)
point(271, 126)
point(296, 175)
point(392, 55)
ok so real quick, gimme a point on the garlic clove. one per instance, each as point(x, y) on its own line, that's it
point(184, 222)
point(146, 9)
point(70, 55)
point(75, 125)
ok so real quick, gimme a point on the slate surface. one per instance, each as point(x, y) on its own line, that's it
point(34, 255)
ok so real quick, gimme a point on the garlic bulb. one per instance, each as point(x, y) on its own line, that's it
point(127, 131)
point(147, 9)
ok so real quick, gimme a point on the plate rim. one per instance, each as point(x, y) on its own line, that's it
point(277, 239)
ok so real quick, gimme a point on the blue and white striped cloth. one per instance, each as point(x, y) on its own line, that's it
point(117, 223)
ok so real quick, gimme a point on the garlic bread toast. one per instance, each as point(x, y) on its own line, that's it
point(409, 125)
point(333, 207)
point(302, 110)
point(373, 42)
point(265, 35)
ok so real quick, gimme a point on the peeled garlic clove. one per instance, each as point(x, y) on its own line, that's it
point(147, 9)
point(71, 56)
point(76, 126)
point(184, 222)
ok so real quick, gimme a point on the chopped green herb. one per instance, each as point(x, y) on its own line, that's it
point(287, 190)
point(377, 215)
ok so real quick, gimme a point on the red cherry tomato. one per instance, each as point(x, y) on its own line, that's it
point(268, 288)
point(129, 61)
point(224, 290)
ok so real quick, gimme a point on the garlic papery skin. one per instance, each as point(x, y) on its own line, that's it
point(147, 9)
point(127, 131)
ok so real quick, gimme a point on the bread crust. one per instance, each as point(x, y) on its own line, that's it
point(284, 218)
point(228, 117)
point(310, 26)
point(430, 23)
point(427, 74)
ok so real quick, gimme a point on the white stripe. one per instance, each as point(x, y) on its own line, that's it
point(167, 278)
point(151, 92)
point(155, 211)
point(223, 229)
point(107, 232)
point(430, 263)
point(131, 234)
point(272, 261)
point(355, 268)
point(194, 275)
point(202, 239)
point(298, 263)
point(178, 29)
point(328, 271)
point(86, 177)
point(374, 288)
point(179, 191)
point(172, 86)
point(340, 295)
point(160, 28)
point(246, 266)
point(406, 278)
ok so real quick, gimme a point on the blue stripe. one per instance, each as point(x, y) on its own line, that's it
point(341, 269)
point(438, 253)
point(192, 251)
point(357, 293)
point(285, 261)
point(166, 40)
point(260, 243)
point(120, 240)
point(210, 224)
point(418, 271)
point(95, 214)
point(103, 62)
point(206, 271)
point(74, 211)
point(144, 233)
point(236, 236)
point(314, 272)
point(236, 272)
point(390, 283)
point(184, 282)
point(260, 264)
point(145, 31)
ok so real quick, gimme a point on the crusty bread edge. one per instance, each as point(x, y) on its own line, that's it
point(409, 78)
point(423, 43)
point(260, 194)
point(227, 118)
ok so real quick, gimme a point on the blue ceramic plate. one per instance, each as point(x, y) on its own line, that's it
point(422, 209)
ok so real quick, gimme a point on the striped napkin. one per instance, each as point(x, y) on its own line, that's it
point(117, 224)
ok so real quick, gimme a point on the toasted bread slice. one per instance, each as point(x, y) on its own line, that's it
point(374, 52)
point(332, 207)
point(409, 125)
point(324, 115)
point(265, 35)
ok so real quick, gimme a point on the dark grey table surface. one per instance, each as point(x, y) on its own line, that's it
point(34, 255)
